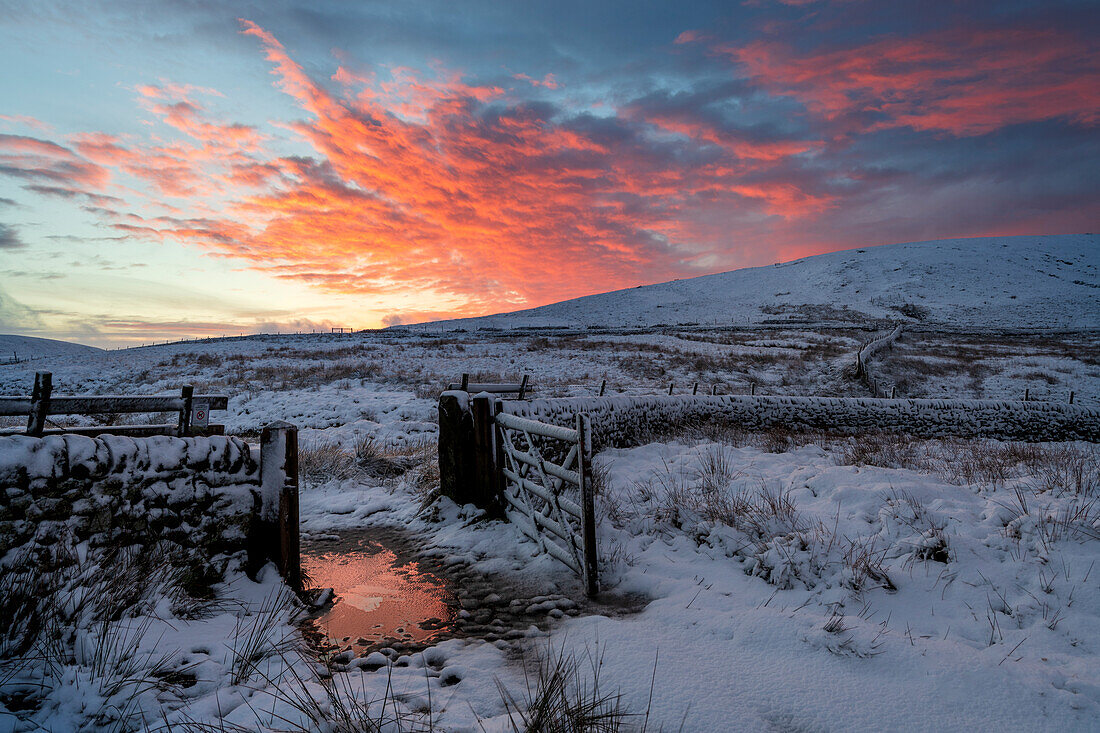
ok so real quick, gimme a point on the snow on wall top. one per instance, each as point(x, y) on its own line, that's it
point(1011, 282)
point(623, 419)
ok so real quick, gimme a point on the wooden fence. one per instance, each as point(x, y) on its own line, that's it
point(42, 403)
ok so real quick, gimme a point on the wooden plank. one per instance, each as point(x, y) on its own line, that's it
point(133, 431)
point(553, 469)
point(99, 404)
point(15, 406)
point(492, 388)
point(91, 404)
point(543, 493)
point(514, 422)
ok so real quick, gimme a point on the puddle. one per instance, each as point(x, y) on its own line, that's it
point(393, 595)
point(379, 597)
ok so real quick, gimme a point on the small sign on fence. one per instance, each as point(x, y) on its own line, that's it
point(200, 415)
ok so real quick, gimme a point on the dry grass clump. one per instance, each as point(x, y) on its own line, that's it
point(779, 544)
point(1054, 467)
point(370, 459)
point(565, 696)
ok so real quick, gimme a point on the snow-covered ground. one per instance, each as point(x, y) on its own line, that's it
point(23, 348)
point(751, 584)
point(918, 594)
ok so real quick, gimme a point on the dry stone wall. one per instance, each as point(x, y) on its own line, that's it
point(114, 492)
point(626, 420)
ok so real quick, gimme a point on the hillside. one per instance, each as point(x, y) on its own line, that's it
point(1008, 282)
point(21, 348)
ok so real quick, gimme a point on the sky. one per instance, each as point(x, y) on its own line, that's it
point(204, 168)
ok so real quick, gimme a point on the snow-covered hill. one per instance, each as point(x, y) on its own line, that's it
point(21, 348)
point(1007, 282)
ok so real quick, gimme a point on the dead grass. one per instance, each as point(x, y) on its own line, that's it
point(73, 616)
point(370, 459)
point(564, 695)
point(1052, 467)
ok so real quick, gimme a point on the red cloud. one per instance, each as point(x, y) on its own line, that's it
point(961, 82)
point(422, 185)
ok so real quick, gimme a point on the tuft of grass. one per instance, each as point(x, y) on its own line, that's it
point(369, 458)
point(260, 635)
point(565, 696)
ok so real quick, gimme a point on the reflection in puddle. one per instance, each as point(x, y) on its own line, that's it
point(377, 597)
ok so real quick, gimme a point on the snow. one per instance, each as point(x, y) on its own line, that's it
point(22, 348)
point(916, 658)
point(1048, 282)
point(991, 615)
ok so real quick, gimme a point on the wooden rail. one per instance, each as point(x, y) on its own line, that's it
point(42, 403)
point(520, 388)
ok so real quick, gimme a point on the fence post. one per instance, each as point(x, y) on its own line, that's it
point(184, 428)
point(603, 386)
point(670, 387)
point(275, 532)
point(522, 387)
point(40, 403)
point(588, 505)
point(694, 389)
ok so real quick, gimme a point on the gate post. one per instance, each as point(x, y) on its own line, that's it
point(486, 485)
point(498, 457)
point(456, 447)
point(588, 505)
point(275, 531)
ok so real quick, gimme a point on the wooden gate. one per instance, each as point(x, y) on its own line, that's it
point(548, 489)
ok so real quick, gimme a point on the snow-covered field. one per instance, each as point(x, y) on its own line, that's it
point(763, 582)
point(25, 348)
point(1013, 282)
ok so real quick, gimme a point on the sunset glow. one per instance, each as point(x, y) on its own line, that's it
point(269, 172)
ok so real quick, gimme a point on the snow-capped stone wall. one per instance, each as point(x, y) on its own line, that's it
point(627, 420)
point(116, 491)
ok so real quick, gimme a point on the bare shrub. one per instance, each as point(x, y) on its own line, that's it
point(1056, 468)
point(1066, 469)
